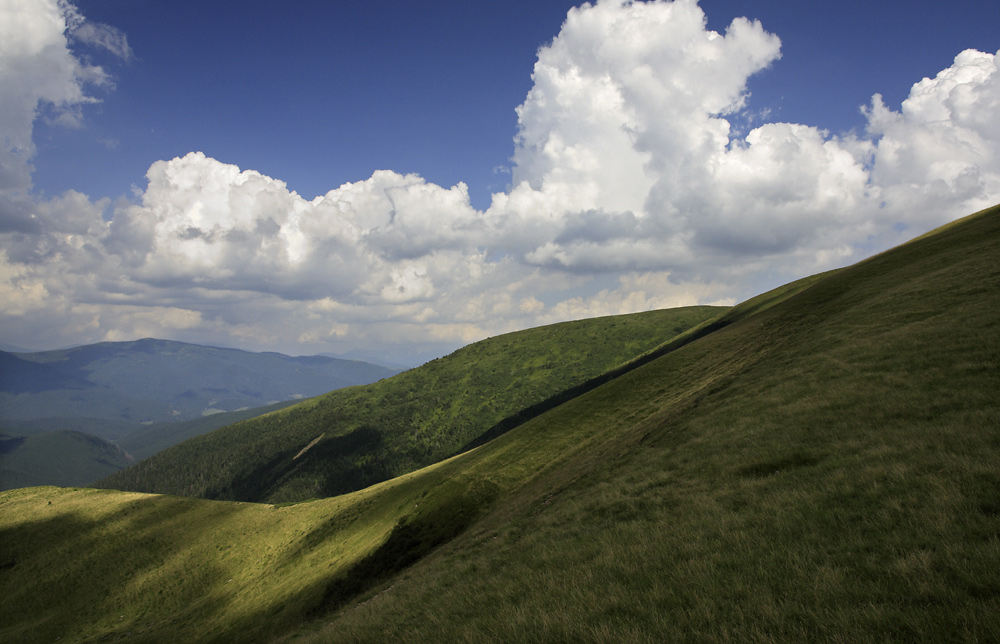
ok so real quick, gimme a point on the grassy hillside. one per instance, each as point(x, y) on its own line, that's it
point(351, 438)
point(824, 466)
point(827, 470)
point(60, 458)
point(157, 437)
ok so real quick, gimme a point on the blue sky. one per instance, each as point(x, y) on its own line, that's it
point(495, 165)
point(316, 94)
point(320, 93)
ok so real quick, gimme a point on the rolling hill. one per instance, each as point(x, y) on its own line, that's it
point(819, 464)
point(348, 439)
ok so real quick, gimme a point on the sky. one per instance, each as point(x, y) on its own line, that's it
point(397, 179)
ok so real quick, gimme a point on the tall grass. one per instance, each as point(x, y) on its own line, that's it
point(825, 470)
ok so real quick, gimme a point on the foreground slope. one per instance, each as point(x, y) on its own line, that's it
point(823, 465)
point(351, 438)
point(825, 470)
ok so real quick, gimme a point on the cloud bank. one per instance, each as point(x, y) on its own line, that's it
point(629, 191)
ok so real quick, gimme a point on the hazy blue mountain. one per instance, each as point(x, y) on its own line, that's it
point(13, 348)
point(20, 376)
point(397, 358)
point(150, 381)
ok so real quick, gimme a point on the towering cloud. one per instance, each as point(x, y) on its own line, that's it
point(629, 190)
point(626, 151)
point(941, 152)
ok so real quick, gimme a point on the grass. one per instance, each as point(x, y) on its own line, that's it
point(825, 470)
point(80, 564)
point(824, 467)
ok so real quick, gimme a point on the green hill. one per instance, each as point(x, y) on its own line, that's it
point(60, 458)
point(822, 464)
point(157, 437)
point(351, 438)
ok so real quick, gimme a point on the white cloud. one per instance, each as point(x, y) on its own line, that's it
point(206, 224)
point(35, 66)
point(625, 155)
point(103, 36)
point(939, 156)
point(38, 70)
point(629, 192)
point(623, 98)
point(639, 292)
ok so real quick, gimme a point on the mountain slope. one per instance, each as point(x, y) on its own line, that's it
point(20, 376)
point(60, 458)
point(159, 436)
point(824, 467)
point(351, 438)
point(826, 470)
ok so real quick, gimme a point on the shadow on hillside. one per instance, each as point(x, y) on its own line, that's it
point(66, 572)
point(445, 513)
point(336, 458)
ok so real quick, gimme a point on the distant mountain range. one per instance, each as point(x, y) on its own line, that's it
point(134, 393)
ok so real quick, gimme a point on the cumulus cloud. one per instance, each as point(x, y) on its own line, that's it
point(206, 224)
point(630, 190)
point(624, 142)
point(36, 67)
point(939, 156)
